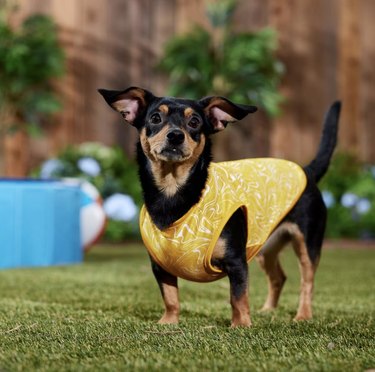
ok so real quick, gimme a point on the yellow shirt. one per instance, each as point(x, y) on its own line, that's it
point(266, 189)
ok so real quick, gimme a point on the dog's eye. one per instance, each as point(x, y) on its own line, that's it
point(155, 119)
point(194, 123)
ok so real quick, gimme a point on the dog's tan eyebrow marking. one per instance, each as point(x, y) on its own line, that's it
point(164, 109)
point(188, 112)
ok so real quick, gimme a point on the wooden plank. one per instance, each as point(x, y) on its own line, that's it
point(349, 74)
point(164, 25)
point(190, 13)
point(307, 47)
point(367, 80)
point(17, 154)
point(250, 16)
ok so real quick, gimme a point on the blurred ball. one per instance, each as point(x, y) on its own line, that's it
point(92, 215)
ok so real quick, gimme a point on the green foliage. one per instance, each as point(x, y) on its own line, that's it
point(351, 189)
point(240, 66)
point(30, 57)
point(117, 174)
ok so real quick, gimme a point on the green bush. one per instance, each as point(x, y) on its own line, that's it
point(240, 66)
point(111, 172)
point(30, 57)
point(349, 192)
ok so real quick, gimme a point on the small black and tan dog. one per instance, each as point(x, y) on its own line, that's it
point(174, 157)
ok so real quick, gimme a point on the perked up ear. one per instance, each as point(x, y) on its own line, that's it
point(129, 102)
point(220, 111)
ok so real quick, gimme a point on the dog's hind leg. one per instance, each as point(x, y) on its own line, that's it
point(169, 290)
point(268, 260)
point(307, 270)
point(276, 279)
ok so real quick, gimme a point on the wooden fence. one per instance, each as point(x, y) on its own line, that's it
point(326, 45)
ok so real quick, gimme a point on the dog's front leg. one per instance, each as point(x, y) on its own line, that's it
point(169, 290)
point(239, 294)
point(234, 263)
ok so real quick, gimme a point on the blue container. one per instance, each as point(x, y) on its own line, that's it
point(39, 223)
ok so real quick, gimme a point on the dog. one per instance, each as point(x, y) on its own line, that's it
point(175, 166)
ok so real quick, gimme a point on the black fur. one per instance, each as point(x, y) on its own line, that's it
point(310, 212)
point(165, 210)
point(234, 262)
point(319, 166)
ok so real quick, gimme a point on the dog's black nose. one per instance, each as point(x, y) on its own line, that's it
point(175, 137)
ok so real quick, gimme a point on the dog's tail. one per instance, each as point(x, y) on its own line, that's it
point(319, 166)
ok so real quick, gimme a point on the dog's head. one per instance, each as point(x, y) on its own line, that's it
point(173, 129)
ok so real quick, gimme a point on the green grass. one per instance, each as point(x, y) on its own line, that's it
point(100, 316)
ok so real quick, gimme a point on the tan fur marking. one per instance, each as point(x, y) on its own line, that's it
point(140, 94)
point(218, 102)
point(135, 93)
point(269, 262)
point(164, 109)
point(240, 310)
point(153, 146)
point(188, 112)
point(170, 176)
point(171, 303)
point(268, 259)
point(220, 248)
point(117, 106)
point(307, 270)
point(275, 277)
point(145, 145)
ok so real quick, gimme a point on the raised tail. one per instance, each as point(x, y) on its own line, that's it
point(319, 166)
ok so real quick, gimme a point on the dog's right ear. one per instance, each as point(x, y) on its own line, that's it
point(130, 103)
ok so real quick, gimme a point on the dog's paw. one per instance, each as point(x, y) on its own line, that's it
point(168, 319)
point(303, 316)
point(267, 308)
point(244, 322)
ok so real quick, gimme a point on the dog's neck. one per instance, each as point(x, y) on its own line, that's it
point(170, 190)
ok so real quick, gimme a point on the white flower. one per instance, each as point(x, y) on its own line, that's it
point(363, 206)
point(328, 198)
point(89, 166)
point(120, 207)
point(349, 200)
point(50, 168)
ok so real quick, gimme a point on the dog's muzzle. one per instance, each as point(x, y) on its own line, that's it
point(175, 137)
point(174, 148)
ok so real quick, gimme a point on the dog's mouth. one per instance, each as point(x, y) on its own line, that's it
point(173, 154)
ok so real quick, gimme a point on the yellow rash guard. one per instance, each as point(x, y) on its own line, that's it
point(266, 189)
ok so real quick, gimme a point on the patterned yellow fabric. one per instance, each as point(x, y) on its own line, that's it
point(266, 189)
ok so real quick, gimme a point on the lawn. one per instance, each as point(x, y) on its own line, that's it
point(100, 316)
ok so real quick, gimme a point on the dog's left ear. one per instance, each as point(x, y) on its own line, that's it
point(129, 102)
point(220, 111)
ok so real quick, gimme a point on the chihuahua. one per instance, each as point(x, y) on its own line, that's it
point(203, 220)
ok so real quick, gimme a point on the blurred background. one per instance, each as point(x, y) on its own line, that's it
point(293, 58)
